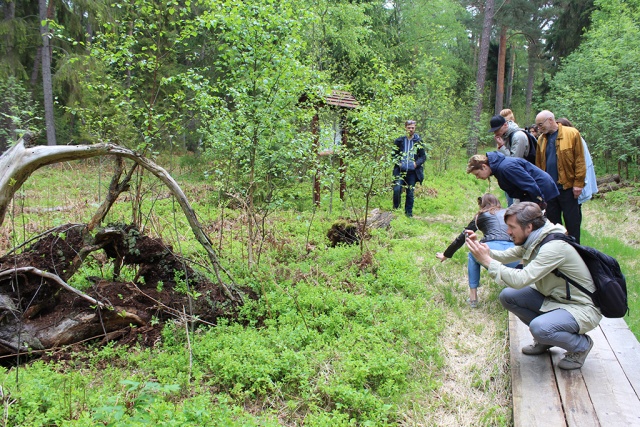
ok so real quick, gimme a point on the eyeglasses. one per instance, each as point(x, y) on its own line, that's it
point(540, 124)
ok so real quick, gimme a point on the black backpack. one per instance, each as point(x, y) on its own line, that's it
point(533, 145)
point(611, 286)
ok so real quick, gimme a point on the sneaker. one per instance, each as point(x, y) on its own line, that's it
point(575, 360)
point(473, 303)
point(535, 349)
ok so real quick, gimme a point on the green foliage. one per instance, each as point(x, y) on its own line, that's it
point(599, 81)
point(137, 408)
point(251, 140)
point(18, 114)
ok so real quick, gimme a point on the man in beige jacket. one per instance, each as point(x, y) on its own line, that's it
point(534, 293)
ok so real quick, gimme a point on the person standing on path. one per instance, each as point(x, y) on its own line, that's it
point(409, 156)
point(590, 182)
point(561, 154)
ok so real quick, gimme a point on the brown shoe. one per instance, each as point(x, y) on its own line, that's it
point(535, 349)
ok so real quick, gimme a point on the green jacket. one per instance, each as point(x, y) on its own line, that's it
point(572, 168)
point(539, 264)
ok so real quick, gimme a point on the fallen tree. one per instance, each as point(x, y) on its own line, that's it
point(40, 310)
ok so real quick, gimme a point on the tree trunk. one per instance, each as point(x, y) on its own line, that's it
point(512, 68)
point(47, 86)
point(502, 59)
point(472, 146)
point(532, 53)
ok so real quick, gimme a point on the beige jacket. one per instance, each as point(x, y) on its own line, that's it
point(539, 264)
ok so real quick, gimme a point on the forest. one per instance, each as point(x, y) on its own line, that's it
point(196, 224)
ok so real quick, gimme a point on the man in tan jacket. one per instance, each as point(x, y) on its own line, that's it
point(553, 319)
point(560, 153)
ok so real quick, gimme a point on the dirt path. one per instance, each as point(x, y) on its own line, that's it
point(475, 386)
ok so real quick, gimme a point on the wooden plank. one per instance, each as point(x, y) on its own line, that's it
point(576, 402)
point(613, 398)
point(536, 401)
point(626, 348)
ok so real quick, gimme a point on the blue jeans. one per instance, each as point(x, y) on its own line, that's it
point(509, 199)
point(473, 266)
point(555, 328)
point(407, 180)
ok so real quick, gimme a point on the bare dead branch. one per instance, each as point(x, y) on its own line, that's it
point(21, 160)
point(115, 189)
point(53, 277)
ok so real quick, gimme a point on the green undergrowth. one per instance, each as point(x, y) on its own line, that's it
point(335, 336)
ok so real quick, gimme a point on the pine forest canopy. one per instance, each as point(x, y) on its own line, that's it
point(201, 74)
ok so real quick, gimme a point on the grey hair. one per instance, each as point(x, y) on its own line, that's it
point(526, 213)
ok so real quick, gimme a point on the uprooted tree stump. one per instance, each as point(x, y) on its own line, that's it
point(39, 314)
point(40, 310)
point(349, 232)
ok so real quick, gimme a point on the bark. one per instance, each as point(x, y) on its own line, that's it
point(532, 54)
point(512, 67)
point(502, 59)
point(481, 75)
point(608, 179)
point(47, 85)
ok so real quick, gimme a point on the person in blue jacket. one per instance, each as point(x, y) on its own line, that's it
point(520, 179)
point(409, 156)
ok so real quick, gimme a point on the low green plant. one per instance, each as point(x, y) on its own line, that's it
point(136, 408)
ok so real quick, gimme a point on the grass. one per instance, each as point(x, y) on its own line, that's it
point(337, 337)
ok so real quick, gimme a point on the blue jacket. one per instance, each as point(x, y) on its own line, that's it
point(419, 157)
point(521, 179)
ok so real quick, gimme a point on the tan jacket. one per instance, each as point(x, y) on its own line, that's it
point(539, 264)
point(572, 168)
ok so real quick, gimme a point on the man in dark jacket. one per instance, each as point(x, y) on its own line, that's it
point(409, 156)
point(519, 178)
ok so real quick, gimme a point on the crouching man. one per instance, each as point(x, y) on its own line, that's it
point(553, 319)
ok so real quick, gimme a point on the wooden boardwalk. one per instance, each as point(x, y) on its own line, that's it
point(605, 392)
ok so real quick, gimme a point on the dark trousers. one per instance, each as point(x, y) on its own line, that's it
point(566, 207)
point(405, 180)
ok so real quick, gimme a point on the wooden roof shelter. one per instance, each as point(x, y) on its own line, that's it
point(340, 98)
point(343, 101)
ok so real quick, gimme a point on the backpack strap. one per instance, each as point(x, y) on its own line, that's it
point(571, 240)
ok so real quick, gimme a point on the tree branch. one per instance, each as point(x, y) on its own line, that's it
point(53, 277)
point(21, 160)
